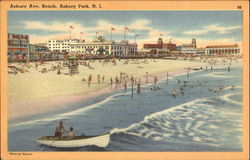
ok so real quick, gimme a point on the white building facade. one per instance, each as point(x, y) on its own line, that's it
point(189, 48)
point(222, 49)
point(61, 45)
point(102, 47)
point(188, 51)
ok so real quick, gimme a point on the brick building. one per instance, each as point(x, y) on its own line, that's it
point(170, 46)
point(18, 47)
point(160, 45)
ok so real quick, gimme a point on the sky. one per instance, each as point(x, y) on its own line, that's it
point(208, 27)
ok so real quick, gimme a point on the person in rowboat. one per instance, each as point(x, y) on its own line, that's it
point(61, 130)
point(57, 133)
point(71, 134)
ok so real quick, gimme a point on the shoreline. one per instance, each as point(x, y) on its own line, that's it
point(61, 104)
point(25, 109)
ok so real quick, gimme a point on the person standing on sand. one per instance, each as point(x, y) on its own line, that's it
point(98, 78)
point(121, 77)
point(116, 81)
point(138, 87)
point(146, 77)
point(111, 81)
point(125, 84)
point(89, 80)
point(103, 79)
point(59, 71)
point(155, 80)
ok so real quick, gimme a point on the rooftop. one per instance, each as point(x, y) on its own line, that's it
point(222, 46)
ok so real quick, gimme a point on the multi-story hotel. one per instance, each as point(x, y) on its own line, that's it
point(18, 46)
point(160, 45)
point(102, 47)
point(61, 45)
point(222, 49)
point(189, 48)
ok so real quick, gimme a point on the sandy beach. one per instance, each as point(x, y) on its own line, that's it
point(39, 92)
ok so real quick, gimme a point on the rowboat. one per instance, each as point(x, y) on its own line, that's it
point(77, 141)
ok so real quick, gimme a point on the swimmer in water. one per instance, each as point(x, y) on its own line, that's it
point(232, 87)
point(174, 93)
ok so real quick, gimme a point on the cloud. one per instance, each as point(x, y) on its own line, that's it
point(103, 27)
point(142, 24)
point(221, 29)
point(143, 27)
point(195, 32)
point(215, 27)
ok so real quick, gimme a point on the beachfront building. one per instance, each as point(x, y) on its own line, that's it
point(38, 52)
point(100, 46)
point(190, 51)
point(160, 48)
point(61, 45)
point(37, 48)
point(160, 45)
point(171, 46)
point(189, 48)
point(222, 49)
point(18, 47)
point(41, 44)
point(200, 51)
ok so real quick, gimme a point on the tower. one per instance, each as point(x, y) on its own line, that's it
point(194, 43)
point(160, 41)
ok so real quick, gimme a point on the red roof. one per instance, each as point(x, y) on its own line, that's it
point(222, 46)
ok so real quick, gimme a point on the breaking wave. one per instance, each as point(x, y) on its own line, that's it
point(202, 121)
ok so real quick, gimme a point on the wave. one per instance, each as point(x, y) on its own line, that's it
point(196, 121)
point(227, 99)
point(217, 75)
point(71, 113)
point(157, 114)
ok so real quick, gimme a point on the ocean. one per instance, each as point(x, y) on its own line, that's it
point(201, 118)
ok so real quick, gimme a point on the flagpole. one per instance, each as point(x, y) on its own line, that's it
point(110, 34)
point(124, 34)
point(80, 36)
point(70, 33)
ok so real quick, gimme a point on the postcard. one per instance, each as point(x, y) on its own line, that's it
point(124, 80)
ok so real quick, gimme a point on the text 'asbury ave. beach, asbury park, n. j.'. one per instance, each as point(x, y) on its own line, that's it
point(63, 6)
